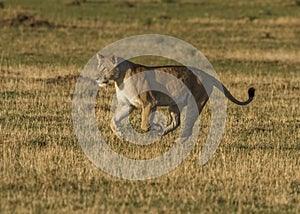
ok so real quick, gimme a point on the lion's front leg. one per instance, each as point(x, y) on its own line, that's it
point(146, 114)
point(121, 112)
point(147, 119)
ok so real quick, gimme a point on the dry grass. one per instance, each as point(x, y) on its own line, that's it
point(255, 169)
point(282, 56)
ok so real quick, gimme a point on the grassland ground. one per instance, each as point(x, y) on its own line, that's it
point(44, 47)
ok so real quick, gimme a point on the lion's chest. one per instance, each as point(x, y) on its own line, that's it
point(128, 97)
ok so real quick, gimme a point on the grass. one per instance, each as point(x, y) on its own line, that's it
point(256, 167)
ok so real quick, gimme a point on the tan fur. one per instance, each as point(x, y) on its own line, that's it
point(119, 70)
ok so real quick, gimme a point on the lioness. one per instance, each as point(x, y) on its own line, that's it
point(118, 70)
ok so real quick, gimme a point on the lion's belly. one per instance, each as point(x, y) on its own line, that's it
point(162, 99)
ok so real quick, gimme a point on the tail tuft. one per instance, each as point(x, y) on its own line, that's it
point(251, 92)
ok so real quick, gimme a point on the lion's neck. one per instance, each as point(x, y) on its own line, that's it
point(125, 70)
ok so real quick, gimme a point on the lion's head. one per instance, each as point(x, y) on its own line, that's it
point(107, 69)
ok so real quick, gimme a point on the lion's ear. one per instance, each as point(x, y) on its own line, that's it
point(114, 59)
point(99, 56)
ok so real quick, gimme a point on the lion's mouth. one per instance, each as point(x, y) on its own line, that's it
point(101, 84)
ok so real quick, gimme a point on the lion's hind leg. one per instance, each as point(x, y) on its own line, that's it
point(175, 119)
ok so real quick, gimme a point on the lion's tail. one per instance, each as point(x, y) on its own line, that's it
point(251, 93)
point(207, 79)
